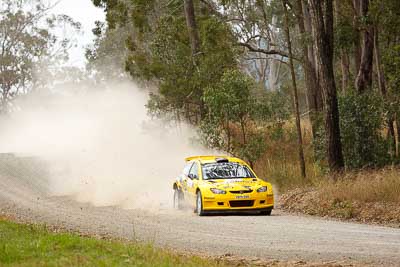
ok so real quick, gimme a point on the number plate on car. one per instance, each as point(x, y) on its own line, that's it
point(242, 197)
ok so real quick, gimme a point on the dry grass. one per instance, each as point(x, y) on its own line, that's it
point(364, 186)
point(369, 196)
point(366, 195)
point(280, 164)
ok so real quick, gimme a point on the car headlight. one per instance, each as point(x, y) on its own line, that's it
point(262, 189)
point(218, 191)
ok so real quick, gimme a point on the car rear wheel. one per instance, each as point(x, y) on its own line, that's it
point(178, 197)
point(199, 204)
point(266, 212)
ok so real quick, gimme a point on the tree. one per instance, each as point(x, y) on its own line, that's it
point(314, 96)
point(163, 45)
point(364, 76)
point(344, 34)
point(185, 48)
point(295, 93)
point(192, 26)
point(231, 108)
point(379, 9)
point(106, 56)
point(323, 25)
point(27, 41)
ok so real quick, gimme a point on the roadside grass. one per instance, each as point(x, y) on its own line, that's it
point(368, 196)
point(32, 245)
point(280, 163)
point(364, 186)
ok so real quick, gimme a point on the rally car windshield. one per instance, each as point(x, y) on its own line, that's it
point(225, 170)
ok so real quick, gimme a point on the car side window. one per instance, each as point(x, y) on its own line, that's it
point(186, 169)
point(194, 171)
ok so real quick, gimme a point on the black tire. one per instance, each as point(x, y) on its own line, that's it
point(178, 199)
point(199, 204)
point(266, 212)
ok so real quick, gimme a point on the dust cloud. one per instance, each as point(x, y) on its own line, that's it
point(100, 145)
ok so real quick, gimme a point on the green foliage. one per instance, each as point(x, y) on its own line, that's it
point(214, 134)
point(272, 107)
point(233, 115)
point(392, 68)
point(164, 56)
point(361, 122)
point(106, 57)
point(319, 139)
point(22, 245)
point(254, 148)
point(345, 35)
point(29, 41)
point(228, 102)
point(237, 118)
point(230, 98)
point(391, 62)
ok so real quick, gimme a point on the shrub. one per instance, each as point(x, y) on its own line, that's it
point(362, 119)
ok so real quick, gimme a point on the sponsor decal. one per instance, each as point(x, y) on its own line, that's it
point(229, 181)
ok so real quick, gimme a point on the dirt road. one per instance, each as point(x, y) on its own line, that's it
point(281, 236)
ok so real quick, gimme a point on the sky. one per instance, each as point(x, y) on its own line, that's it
point(86, 13)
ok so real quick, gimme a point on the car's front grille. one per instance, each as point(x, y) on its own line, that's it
point(241, 203)
point(241, 191)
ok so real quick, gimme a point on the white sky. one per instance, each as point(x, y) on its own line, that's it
point(86, 13)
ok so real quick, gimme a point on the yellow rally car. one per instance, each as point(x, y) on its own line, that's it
point(219, 184)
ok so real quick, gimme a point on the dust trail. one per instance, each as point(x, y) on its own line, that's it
point(100, 144)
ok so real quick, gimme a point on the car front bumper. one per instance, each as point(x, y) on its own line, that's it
point(239, 202)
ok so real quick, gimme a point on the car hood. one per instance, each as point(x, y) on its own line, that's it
point(236, 184)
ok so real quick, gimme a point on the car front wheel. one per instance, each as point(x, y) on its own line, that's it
point(199, 204)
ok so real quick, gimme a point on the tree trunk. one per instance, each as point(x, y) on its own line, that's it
point(381, 75)
point(344, 57)
point(295, 94)
point(382, 88)
point(364, 76)
point(398, 136)
point(313, 102)
point(391, 136)
point(319, 105)
point(357, 42)
point(192, 26)
point(274, 64)
point(324, 39)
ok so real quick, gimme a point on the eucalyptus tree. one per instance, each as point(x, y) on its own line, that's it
point(323, 21)
point(28, 42)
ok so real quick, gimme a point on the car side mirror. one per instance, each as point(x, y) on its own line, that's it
point(192, 176)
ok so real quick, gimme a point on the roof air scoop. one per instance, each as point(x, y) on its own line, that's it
point(221, 160)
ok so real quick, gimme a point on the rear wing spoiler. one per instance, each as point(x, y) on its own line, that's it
point(212, 158)
point(201, 157)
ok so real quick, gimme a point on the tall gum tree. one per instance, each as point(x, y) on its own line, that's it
point(364, 76)
point(323, 25)
point(192, 26)
point(295, 93)
point(314, 97)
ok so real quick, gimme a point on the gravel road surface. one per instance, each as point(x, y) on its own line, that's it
point(282, 236)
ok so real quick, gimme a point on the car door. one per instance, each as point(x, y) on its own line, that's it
point(185, 176)
point(193, 179)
